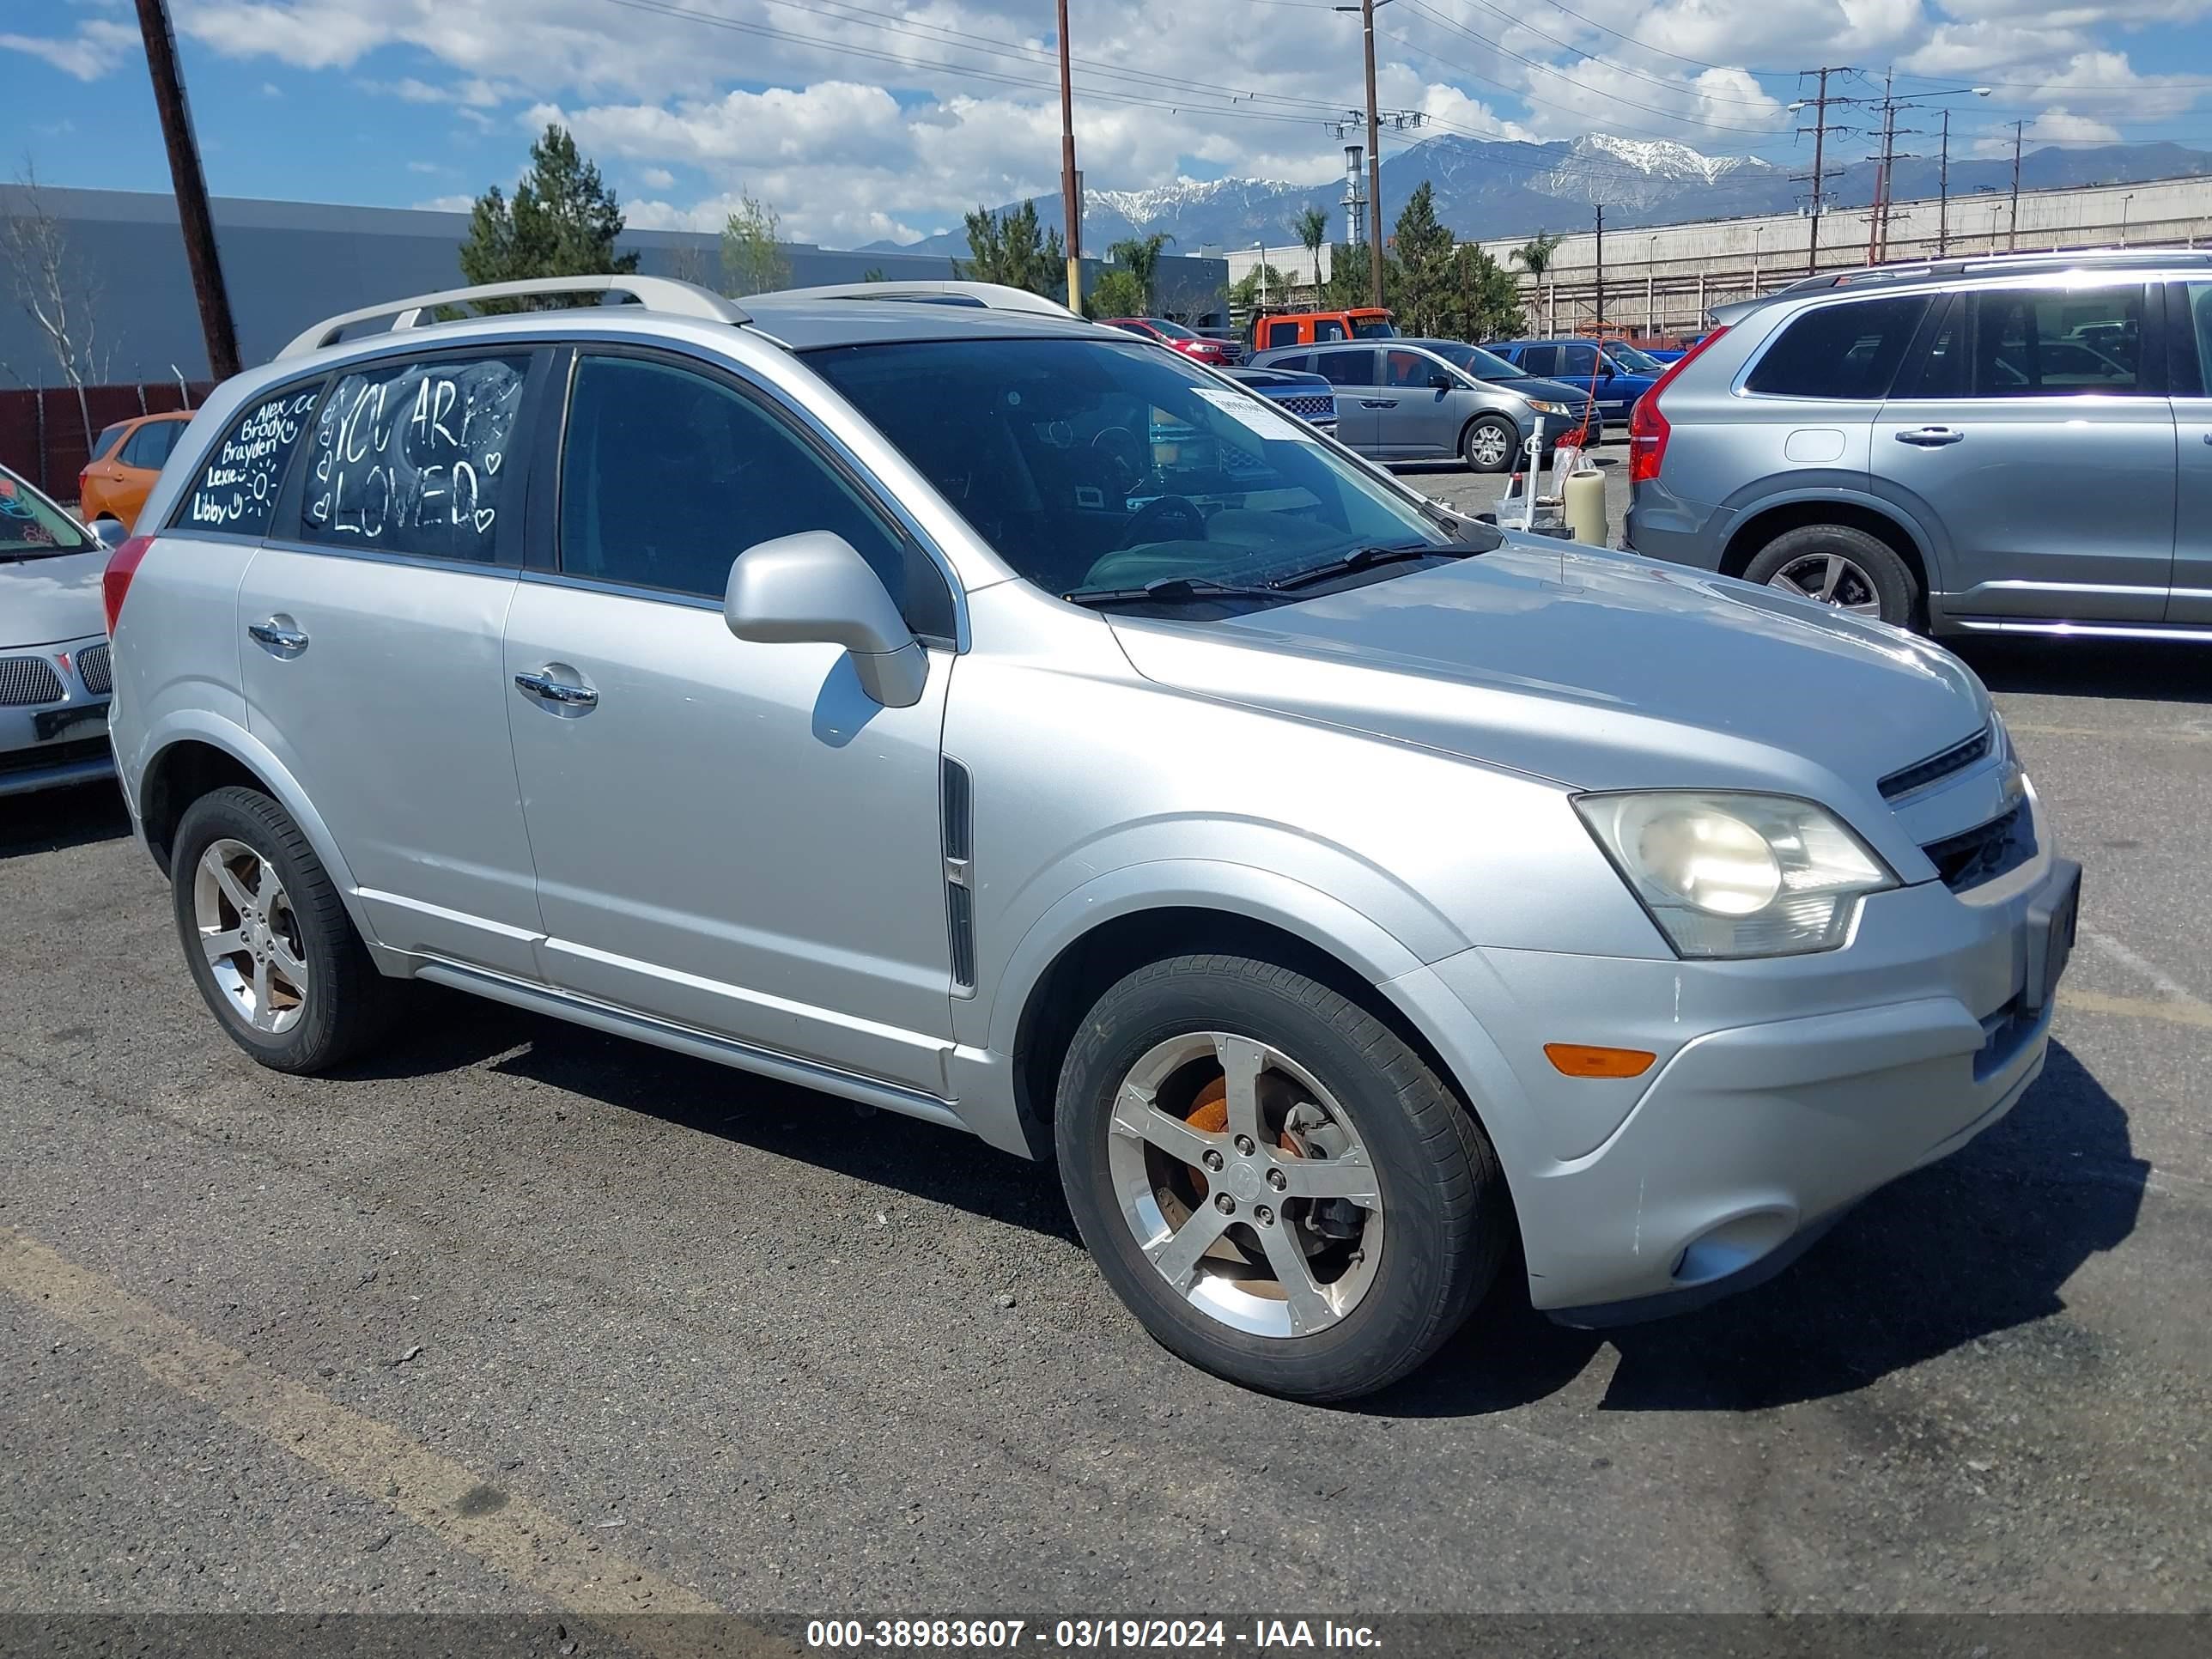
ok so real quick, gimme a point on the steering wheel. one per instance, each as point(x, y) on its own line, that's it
point(1145, 523)
point(1118, 445)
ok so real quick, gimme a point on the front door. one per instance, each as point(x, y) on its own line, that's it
point(2189, 313)
point(1424, 424)
point(2036, 447)
point(728, 835)
point(369, 640)
point(1361, 402)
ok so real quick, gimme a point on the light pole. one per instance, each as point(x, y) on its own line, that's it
point(1650, 303)
point(2125, 200)
point(1757, 231)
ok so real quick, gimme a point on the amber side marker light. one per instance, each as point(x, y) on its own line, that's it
point(1580, 1059)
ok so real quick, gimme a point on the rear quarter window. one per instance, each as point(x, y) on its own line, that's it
point(237, 479)
point(1840, 352)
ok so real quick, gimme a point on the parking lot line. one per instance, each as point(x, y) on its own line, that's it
point(2192, 1013)
point(528, 1545)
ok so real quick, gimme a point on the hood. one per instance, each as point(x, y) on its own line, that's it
point(1280, 377)
point(1598, 671)
point(48, 600)
point(1534, 385)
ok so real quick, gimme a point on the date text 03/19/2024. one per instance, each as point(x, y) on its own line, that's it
point(1013, 1635)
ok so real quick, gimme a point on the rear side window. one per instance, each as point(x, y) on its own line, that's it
point(238, 476)
point(411, 458)
point(1846, 351)
point(2058, 342)
point(667, 476)
point(1539, 361)
point(150, 444)
point(1345, 368)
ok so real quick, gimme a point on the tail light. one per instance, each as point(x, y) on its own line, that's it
point(115, 580)
point(1647, 423)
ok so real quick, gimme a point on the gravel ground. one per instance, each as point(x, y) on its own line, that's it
point(522, 1318)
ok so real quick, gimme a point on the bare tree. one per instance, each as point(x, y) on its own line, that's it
point(55, 289)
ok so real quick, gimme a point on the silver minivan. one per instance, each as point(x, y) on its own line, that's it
point(1433, 400)
point(921, 695)
point(2015, 445)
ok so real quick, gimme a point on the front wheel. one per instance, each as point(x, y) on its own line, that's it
point(1488, 443)
point(1279, 1188)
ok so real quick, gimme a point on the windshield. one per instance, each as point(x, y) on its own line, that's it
point(31, 526)
point(1092, 465)
point(1628, 357)
point(1374, 328)
point(1173, 331)
point(1473, 360)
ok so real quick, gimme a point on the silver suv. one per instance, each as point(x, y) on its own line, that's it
point(2011, 445)
point(930, 698)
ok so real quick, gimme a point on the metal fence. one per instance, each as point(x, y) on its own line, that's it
point(42, 432)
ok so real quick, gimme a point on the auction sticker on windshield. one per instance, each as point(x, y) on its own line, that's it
point(1251, 412)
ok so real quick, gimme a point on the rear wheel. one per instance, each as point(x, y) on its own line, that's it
point(267, 939)
point(1279, 1188)
point(1488, 443)
point(1839, 565)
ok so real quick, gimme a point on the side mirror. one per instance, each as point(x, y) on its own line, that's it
point(109, 533)
point(1605, 368)
point(814, 588)
point(1441, 381)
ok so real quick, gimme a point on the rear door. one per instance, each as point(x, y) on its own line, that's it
point(1361, 402)
point(2189, 338)
point(369, 645)
point(2036, 446)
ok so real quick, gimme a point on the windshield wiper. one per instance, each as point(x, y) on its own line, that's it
point(1171, 590)
point(1366, 558)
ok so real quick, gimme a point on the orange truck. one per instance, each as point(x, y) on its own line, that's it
point(1291, 328)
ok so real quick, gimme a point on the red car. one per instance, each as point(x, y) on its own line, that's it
point(1187, 341)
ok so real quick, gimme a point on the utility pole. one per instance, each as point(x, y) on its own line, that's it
point(1374, 162)
point(1601, 272)
point(1071, 192)
point(1878, 221)
point(193, 218)
point(1819, 177)
point(1944, 192)
point(2012, 236)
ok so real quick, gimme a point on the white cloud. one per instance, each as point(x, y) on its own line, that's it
point(457, 203)
point(97, 47)
point(656, 178)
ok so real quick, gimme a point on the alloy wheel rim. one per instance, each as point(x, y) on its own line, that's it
point(1245, 1184)
point(1830, 579)
point(250, 936)
point(1489, 445)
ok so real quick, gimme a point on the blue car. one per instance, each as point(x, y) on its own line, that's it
point(1622, 372)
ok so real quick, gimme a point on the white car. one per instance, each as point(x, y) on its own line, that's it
point(54, 673)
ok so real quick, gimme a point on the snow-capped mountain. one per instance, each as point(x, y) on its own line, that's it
point(1489, 188)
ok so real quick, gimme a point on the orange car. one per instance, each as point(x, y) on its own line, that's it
point(126, 458)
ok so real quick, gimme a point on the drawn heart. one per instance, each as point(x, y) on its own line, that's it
point(323, 468)
point(485, 516)
point(321, 511)
point(491, 461)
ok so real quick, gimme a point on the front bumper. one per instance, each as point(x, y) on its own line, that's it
point(1784, 1091)
point(49, 745)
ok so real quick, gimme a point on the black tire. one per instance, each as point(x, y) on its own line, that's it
point(1494, 425)
point(348, 1004)
point(1444, 1195)
point(1887, 577)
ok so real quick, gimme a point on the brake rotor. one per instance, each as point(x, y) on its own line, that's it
point(1209, 1115)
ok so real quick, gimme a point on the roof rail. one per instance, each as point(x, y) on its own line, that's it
point(990, 296)
point(663, 294)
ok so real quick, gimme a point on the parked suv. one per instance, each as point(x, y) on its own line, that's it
point(2010, 444)
point(972, 712)
point(1424, 400)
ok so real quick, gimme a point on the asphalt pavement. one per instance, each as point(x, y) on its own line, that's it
point(525, 1319)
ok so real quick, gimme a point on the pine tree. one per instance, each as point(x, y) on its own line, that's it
point(1013, 249)
point(564, 221)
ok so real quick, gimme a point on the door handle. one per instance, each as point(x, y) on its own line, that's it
point(278, 636)
point(544, 685)
point(1378, 403)
point(1931, 437)
point(2208, 437)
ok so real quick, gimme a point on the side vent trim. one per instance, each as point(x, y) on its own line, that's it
point(957, 830)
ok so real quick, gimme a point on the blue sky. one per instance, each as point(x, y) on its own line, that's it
point(874, 118)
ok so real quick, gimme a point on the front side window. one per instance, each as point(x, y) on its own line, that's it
point(667, 476)
point(1842, 351)
point(1474, 361)
point(1577, 362)
point(1093, 467)
point(2057, 342)
point(1328, 328)
point(235, 487)
point(1408, 370)
point(2190, 304)
point(413, 457)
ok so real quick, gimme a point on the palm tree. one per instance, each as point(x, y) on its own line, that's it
point(1142, 257)
point(1536, 254)
point(1311, 228)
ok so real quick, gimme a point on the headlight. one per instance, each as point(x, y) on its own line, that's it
point(1730, 875)
point(1544, 408)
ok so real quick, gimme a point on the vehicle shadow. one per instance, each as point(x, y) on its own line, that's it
point(2148, 672)
point(54, 818)
point(1981, 1244)
point(918, 1159)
